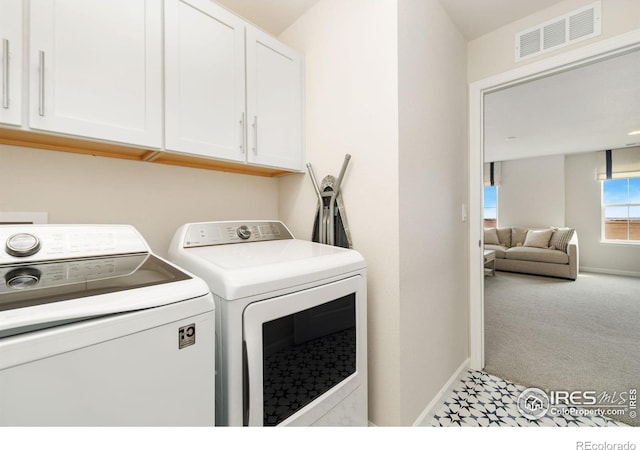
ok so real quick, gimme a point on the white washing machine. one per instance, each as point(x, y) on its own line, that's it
point(96, 330)
point(291, 323)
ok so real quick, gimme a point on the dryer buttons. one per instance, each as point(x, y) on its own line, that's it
point(243, 232)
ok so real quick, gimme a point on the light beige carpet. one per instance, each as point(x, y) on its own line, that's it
point(565, 335)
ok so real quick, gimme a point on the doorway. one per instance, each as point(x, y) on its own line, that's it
point(561, 63)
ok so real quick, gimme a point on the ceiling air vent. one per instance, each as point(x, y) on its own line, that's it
point(554, 34)
point(578, 25)
point(582, 24)
point(530, 43)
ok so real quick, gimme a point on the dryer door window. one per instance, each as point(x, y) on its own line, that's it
point(297, 357)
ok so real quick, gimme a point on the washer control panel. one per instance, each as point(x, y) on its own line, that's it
point(233, 232)
point(21, 277)
point(31, 243)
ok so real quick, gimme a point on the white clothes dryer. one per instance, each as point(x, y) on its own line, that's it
point(95, 330)
point(291, 323)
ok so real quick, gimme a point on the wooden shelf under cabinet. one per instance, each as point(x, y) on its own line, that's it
point(24, 138)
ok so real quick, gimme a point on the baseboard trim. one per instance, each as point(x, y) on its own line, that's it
point(444, 393)
point(625, 273)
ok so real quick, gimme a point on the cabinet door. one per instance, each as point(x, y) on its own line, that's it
point(274, 102)
point(11, 61)
point(204, 78)
point(96, 69)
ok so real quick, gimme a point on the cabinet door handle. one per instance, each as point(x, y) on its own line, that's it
point(242, 134)
point(41, 85)
point(255, 134)
point(5, 73)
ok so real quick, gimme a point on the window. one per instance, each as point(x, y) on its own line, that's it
point(490, 206)
point(621, 209)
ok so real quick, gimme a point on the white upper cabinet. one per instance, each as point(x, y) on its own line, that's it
point(204, 80)
point(11, 61)
point(218, 107)
point(95, 69)
point(274, 102)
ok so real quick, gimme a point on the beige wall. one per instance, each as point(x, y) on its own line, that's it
point(155, 198)
point(583, 211)
point(433, 186)
point(562, 190)
point(351, 67)
point(531, 192)
point(386, 82)
point(493, 53)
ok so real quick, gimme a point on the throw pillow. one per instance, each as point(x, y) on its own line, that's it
point(518, 235)
point(504, 235)
point(538, 238)
point(560, 238)
point(491, 236)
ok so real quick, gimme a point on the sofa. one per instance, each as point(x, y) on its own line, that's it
point(549, 251)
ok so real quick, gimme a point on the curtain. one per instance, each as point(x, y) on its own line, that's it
point(619, 163)
point(492, 172)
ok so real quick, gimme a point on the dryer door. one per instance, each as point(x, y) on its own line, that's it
point(303, 353)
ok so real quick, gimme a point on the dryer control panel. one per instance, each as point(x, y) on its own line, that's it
point(233, 232)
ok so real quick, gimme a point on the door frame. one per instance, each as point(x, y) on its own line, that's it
point(560, 63)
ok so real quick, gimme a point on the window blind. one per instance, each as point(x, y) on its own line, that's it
point(619, 163)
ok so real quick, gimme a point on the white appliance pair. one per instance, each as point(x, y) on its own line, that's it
point(291, 323)
point(96, 330)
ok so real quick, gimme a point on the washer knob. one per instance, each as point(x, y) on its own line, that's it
point(23, 278)
point(22, 244)
point(243, 232)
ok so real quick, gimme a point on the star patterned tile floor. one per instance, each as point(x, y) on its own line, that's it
point(483, 400)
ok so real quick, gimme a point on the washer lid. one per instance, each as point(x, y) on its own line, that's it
point(40, 295)
point(244, 270)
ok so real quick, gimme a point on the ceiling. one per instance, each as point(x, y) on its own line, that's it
point(273, 16)
point(473, 17)
point(593, 107)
